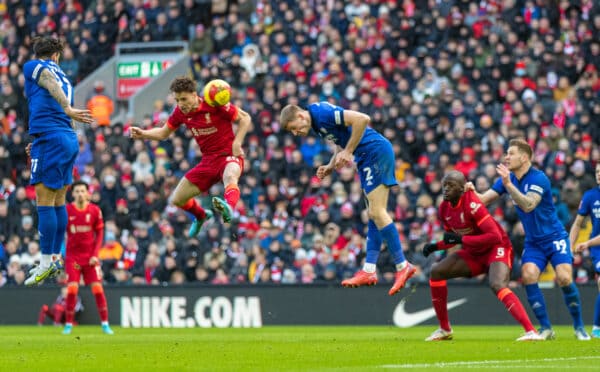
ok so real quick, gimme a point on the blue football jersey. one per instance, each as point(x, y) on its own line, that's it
point(590, 206)
point(328, 121)
point(541, 223)
point(45, 114)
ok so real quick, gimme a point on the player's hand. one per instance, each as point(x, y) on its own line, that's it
point(452, 238)
point(429, 249)
point(28, 149)
point(94, 261)
point(82, 116)
point(469, 186)
point(136, 133)
point(504, 173)
point(343, 158)
point(581, 247)
point(236, 149)
point(324, 171)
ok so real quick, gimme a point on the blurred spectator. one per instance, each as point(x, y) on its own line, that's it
point(100, 105)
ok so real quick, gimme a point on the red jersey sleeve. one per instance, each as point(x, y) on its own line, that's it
point(99, 229)
point(229, 112)
point(175, 119)
point(490, 233)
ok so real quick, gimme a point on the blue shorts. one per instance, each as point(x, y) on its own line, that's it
point(377, 167)
point(556, 250)
point(595, 253)
point(52, 158)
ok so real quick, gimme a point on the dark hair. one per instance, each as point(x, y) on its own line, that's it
point(80, 183)
point(183, 84)
point(46, 46)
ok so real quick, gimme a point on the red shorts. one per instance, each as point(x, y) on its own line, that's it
point(210, 170)
point(74, 270)
point(479, 264)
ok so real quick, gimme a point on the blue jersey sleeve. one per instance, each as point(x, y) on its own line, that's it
point(498, 186)
point(33, 69)
point(585, 204)
point(327, 115)
point(539, 183)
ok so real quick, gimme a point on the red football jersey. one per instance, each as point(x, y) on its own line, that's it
point(82, 231)
point(211, 127)
point(466, 219)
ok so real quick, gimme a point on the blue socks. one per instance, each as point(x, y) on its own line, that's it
point(373, 243)
point(61, 228)
point(571, 296)
point(391, 237)
point(537, 304)
point(47, 228)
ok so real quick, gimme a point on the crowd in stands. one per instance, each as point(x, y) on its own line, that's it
point(448, 82)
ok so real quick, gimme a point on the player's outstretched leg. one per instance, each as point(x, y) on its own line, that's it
point(368, 275)
point(223, 208)
point(197, 223)
point(360, 279)
point(402, 276)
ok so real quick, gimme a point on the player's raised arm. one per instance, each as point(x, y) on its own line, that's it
point(244, 122)
point(358, 121)
point(48, 81)
point(487, 197)
point(157, 134)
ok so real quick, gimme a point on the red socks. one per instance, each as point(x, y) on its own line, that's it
point(515, 308)
point(439, 299)
point(232, 195)
point(194, 208)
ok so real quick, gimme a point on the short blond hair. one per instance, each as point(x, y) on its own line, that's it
point(522, 146)
point(288, 114)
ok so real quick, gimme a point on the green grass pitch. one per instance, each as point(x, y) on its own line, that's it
point(289, 349)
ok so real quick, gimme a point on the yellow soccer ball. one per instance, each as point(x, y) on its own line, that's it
point(217, 93)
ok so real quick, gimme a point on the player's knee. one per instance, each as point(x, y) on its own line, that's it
point(72, 288)
point(97, 288)
point(436, 273)
point(497, 285)
point(563, 280)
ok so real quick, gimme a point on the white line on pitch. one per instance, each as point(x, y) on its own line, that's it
point(490, 363)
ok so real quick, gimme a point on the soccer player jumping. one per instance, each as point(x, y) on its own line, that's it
point(486, 248)
point(375, 161)
point(545, 236)
point(54, 149)
point(85, 234)
point(222, 154)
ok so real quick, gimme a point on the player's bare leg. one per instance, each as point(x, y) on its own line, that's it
point(231, 176)
point(183, 197)
point(378, 200)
